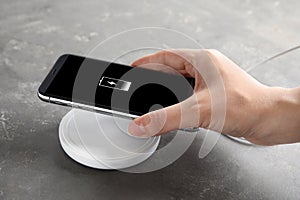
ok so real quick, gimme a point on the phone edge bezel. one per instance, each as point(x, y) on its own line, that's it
point(85, 107)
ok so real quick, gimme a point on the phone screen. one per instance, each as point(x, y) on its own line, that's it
point(112, 86)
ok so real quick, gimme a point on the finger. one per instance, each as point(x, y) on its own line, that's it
point(181, 60)
point(161, 68)
point(169, 58)
point(164, 120)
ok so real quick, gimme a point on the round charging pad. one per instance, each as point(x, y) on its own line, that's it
point(102, 142)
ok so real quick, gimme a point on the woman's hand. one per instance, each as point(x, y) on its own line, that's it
point(261, 114)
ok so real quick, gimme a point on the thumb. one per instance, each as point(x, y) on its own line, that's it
point(164, 120)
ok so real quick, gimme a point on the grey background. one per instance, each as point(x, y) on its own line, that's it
point(34, 33)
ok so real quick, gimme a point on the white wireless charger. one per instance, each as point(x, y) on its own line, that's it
point(82, 136)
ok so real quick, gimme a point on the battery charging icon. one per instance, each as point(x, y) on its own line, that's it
point(114, 83)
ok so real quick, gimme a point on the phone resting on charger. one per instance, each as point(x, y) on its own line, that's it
point(111, 88)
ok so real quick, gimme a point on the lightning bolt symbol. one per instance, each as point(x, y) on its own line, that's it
point(111, 82)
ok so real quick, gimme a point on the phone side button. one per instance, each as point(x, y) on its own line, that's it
point(60, 102)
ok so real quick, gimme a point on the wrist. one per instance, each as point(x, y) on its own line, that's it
point(283, 118)
point(288, 98)
point(295, 94)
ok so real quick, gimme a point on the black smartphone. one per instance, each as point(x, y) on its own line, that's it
point(111, 88)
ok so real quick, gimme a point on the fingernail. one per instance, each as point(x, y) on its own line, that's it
point(136, 130)
point(143, 121)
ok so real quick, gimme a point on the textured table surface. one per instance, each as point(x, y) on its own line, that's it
point(34, 33)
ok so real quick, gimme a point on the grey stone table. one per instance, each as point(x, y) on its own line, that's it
point(34, 33)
